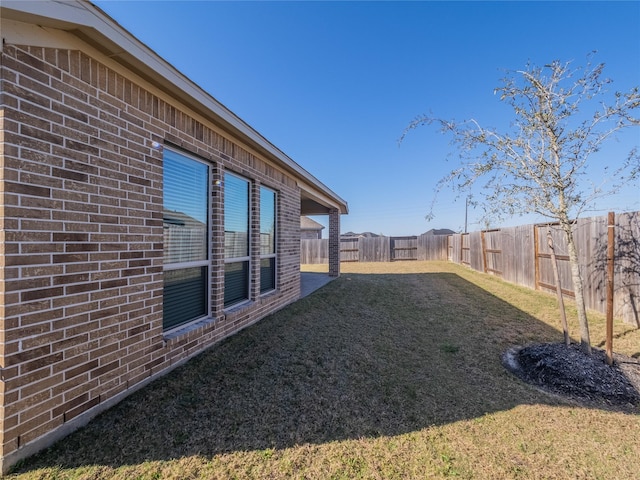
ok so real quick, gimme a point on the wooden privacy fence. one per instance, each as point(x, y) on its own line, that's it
point(520, 255)
point(377, 249)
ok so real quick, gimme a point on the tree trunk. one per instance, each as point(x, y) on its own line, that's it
point(556, 277)
point(585, 340)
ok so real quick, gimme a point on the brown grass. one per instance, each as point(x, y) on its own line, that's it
point(391, 371)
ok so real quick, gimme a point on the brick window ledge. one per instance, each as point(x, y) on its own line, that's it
point(188, 328)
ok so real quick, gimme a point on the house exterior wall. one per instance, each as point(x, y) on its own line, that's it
point(81, 281)
point(310, 234)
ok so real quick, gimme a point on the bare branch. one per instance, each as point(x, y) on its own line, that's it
point(540, 166)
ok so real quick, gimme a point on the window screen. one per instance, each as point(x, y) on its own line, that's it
point(267, 239)
point(236, 239)
point(185, 221)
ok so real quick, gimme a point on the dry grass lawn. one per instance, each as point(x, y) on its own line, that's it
point(391, 371)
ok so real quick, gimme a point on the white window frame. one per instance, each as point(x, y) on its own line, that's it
point(273, 255)
point(247, 258)
point(198, 263)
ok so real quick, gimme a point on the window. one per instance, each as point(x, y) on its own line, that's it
point(186, 226)
point(267, 239)
point(236, 239)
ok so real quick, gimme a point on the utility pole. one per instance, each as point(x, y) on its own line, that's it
point(466, 209)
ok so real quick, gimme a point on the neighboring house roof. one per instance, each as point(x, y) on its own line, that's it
point(307, 223)
point(90, 24)
point(439, 231)
point(360, 235)
point(181, 219)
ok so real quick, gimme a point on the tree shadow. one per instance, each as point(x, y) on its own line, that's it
point(365, 356)
point(626, 267)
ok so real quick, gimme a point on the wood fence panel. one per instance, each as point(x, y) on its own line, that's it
point(465, 250)
point(591, 240)
point(374, 249)
point(493, 252)
point(314, 251)
point(626, 285)
point(546, 279)
point(349, 249)
point(523, 271)
point(433, 247)
point(453, 248)
point(590, 235)
point(404, 248)
point(476, 260)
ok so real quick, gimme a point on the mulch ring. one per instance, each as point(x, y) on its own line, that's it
point(582, 378)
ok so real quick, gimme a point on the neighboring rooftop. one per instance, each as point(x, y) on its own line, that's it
point(439, 231)
point(361, 235)
point(307, 223)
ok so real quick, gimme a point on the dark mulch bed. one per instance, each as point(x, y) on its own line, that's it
point(585, 379)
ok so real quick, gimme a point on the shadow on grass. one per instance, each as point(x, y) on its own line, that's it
point(368, 355)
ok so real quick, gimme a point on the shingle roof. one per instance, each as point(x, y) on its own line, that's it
point(307, 223)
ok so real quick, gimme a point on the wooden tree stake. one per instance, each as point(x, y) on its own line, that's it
point(554, 262)
point(610, 273)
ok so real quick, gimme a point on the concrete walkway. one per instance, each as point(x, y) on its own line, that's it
point(311, 281)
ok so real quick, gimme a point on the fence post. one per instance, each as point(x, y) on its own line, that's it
point(536, 252)
point(610, 273)
point(484, 251)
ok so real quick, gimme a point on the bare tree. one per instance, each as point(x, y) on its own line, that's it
point(562, 116)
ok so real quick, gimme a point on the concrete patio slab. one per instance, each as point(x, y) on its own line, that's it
point(311, 281)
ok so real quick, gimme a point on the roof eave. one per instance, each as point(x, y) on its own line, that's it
point(92, 25)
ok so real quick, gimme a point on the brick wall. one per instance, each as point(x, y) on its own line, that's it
point(334, 243)
point(81, 224)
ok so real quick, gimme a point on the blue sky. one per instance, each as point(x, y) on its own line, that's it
point(334, 84)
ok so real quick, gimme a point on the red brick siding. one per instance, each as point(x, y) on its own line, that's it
point(81, 219)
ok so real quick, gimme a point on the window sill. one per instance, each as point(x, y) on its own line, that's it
point(236, 307)
point(181, 330)
point(268, 293)
point(248, 303)
point(204, 322)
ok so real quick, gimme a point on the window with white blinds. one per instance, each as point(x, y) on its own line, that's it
point(186, 227)
point(267, 239)
point(236, 239)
